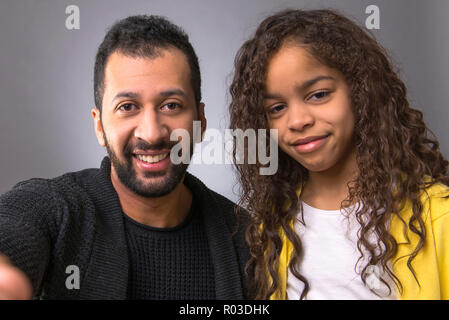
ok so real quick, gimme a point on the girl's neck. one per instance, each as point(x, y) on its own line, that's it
point(327, 189)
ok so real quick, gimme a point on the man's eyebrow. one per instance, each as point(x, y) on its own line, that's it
point(135, 95)
point(300, 87)
point(126, 94)
point(172, 92)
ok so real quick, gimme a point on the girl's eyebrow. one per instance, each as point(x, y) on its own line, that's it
point(306, 84)
point(311, 82)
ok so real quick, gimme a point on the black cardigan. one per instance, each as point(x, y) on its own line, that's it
point(76, 219)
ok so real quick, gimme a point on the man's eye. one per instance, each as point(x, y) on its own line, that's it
point(127, 107)
point(172, 106)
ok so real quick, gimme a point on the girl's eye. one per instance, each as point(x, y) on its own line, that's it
point(172, 106)
point(276, 109)
point(319, 95)
point(127, 107)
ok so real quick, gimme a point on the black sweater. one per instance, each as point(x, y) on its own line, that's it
point(76, 219)
point(170, 263)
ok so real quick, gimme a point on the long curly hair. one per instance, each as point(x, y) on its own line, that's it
point(391, 139)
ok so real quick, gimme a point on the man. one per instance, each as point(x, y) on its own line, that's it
point(140, 227)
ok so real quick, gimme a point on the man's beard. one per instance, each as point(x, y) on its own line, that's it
point(128, 176)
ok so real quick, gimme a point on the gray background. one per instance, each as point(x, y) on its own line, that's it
point(46, 71)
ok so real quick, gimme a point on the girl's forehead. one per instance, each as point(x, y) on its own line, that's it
point(291, 56)
point(293, 63)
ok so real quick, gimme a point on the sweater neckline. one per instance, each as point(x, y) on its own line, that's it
point(184, 223)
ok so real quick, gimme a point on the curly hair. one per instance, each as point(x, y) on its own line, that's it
point(394, 148)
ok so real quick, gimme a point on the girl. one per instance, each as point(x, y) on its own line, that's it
point(359, 205)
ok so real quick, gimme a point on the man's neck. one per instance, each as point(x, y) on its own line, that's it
point(161, 212)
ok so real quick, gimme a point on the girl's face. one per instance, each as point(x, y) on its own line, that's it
point(310, 106)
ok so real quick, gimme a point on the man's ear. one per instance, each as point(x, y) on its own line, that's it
point(96, 114)
point(202, 118)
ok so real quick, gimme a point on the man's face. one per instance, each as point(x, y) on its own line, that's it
point(144, 100)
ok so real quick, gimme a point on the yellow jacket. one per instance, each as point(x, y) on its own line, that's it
point(431, 265)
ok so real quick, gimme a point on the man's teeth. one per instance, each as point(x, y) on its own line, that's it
point(152, 159)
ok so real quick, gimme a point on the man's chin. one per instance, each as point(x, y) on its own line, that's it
point(154, 180)
point(156, 183)
point(149, 183)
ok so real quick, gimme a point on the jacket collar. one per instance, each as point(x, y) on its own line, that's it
point(228, 284)
point(107, 273)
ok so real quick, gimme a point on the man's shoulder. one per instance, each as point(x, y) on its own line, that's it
point(223, 201)
point(232, 208)
point(46, 193)
point(231, 211)
point(59, 183)
point(207, 194)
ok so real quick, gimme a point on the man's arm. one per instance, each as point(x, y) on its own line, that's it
point(25, 223)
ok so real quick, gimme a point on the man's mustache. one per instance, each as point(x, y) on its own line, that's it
point(145, 146)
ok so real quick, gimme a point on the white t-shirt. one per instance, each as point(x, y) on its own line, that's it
point(329, 241)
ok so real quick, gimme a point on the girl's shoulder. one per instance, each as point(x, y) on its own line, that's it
point(435, 200)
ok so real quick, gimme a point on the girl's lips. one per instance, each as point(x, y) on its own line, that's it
point(310, 144)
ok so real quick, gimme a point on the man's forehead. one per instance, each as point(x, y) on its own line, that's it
point(164, 72)
point(168, 61)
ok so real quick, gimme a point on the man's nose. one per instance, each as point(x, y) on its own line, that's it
point(151, 127)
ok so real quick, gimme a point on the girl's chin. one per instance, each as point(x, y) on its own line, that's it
point(315, 167)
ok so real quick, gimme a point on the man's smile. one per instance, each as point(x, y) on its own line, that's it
point(153, 163)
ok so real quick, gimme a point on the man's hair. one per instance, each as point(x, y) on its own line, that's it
point(144, 36)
